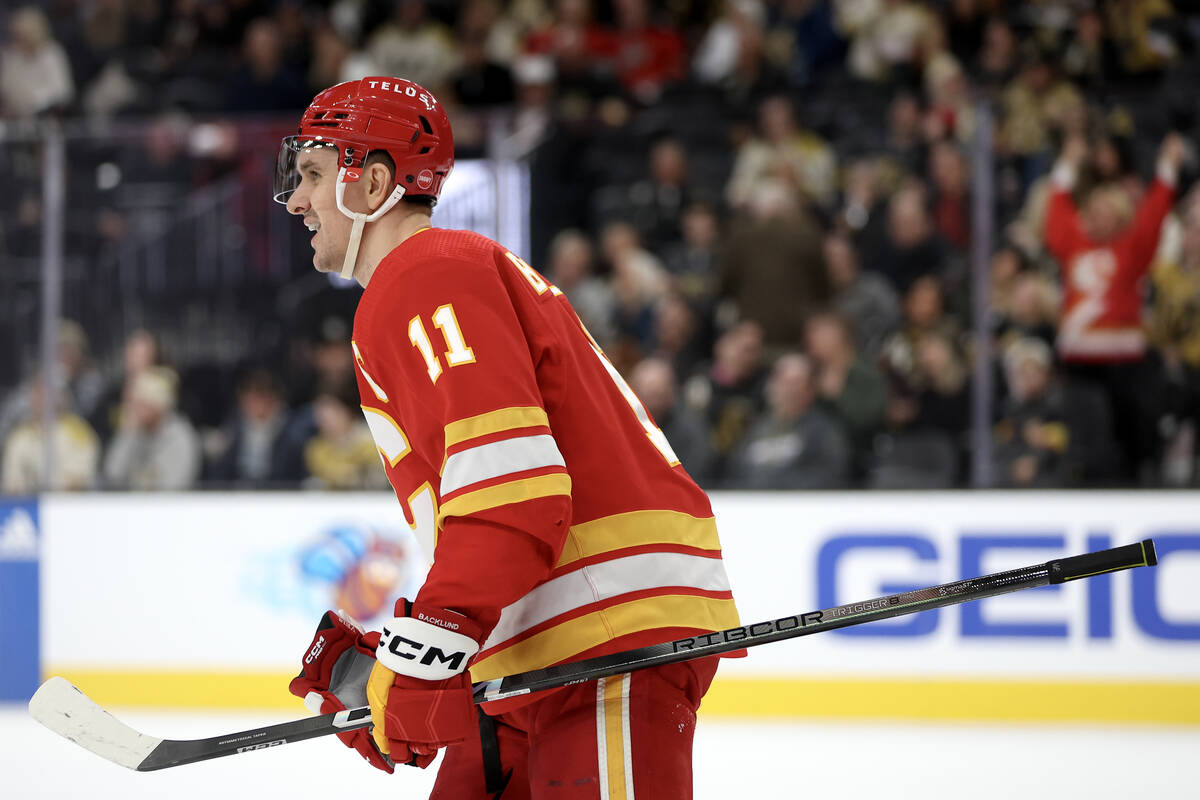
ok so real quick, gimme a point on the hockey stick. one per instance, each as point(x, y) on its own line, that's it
point(67, 711)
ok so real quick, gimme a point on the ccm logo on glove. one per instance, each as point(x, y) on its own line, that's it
point(316, 650)
point(422, 649)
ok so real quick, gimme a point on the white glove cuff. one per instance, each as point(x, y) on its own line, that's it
point(418, 649)
point(313, 702)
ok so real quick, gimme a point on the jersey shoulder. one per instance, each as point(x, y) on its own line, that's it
point(432, 258)
point(441, 245)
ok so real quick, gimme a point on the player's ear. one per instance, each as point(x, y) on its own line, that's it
point(377, 181)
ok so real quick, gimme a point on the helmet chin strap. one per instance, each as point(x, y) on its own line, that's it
point(360, 219)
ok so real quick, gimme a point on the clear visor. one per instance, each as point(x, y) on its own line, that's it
point(288, 165)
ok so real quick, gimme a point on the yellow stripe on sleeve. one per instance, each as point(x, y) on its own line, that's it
point(504, 493)
point(502, 419)
point(636, 528)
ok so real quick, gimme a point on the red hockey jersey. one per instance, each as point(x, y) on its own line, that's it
point(1101, 317)
point(558, 516)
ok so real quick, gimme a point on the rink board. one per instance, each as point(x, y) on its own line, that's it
point(205, 600)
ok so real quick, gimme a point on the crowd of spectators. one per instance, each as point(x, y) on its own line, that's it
point(761, 208)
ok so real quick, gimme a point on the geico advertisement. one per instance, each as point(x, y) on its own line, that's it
point(787, 554)
point(239, 580)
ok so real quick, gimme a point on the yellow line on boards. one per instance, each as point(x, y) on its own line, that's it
point(755, 697)
point(170, 689)
point(960, 700)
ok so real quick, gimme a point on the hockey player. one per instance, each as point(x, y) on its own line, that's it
point(559, 521)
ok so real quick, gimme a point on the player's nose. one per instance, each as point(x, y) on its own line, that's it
point(297, 203)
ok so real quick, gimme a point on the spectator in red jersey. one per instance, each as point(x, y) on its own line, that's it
point(1104, 254)
point(571, 31)
point(647, 56)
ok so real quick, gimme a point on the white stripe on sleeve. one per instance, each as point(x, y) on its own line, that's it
point(497, 459)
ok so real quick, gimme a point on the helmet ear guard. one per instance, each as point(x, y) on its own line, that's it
point(345, 176)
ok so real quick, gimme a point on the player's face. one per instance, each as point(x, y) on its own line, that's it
point(314, 199)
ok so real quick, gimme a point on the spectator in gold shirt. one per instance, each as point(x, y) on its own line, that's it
point(342, 455)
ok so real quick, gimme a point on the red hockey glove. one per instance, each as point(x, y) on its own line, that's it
point(334, 675)
point(419, 690)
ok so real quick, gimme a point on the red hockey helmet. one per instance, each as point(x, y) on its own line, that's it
point(376, 113)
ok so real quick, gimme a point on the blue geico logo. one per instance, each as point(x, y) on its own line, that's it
point(972, 550)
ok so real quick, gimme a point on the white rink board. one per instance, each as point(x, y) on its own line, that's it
point(217, 578)
point(237, 581)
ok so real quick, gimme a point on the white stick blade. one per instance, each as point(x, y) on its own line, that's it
point(62, 708)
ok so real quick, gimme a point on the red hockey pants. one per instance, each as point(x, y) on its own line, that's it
point(618, 738)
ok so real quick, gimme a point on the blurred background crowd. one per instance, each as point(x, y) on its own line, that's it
point(762, 209)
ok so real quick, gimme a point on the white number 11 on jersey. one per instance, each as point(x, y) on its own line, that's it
point(457, 352)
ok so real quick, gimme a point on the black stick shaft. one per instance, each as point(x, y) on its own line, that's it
point(172, 752)
point(176, 752)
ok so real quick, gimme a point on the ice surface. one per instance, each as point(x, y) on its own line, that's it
point(834, 761)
